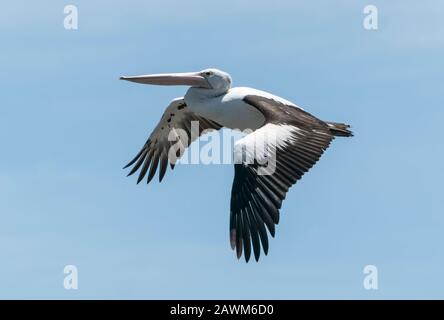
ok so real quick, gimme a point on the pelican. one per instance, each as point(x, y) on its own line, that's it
point(300, 140)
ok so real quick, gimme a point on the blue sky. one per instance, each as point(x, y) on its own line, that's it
point(67, 126)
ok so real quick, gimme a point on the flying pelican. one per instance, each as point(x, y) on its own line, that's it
point(300, 140)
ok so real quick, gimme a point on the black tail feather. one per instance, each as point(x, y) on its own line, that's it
point(339, 129)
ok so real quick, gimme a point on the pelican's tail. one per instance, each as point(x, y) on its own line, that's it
point(339, 129)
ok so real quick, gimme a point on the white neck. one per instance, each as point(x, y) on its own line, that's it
point(201, 93)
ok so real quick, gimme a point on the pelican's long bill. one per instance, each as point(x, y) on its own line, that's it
point(193, 79)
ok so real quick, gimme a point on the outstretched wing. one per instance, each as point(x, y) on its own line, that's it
point(268, 162)
point(176, 128)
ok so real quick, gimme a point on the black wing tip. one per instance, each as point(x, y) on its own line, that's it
point(247, 257)
point(272, 232)
point(139, 179)
point(133, 171)
point(126, 166)
point(129, 164)
point(150, 177)
point(151, 165)
point(233, 245)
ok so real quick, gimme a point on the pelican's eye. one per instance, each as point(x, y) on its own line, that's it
point(208, 73)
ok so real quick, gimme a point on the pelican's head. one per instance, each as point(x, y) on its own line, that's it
point(217, 79)
point(210, 79)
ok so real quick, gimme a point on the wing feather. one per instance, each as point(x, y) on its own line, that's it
point(154, 153)
point(256, 198)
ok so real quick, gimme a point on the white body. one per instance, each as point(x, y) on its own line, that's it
point(229, 109)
